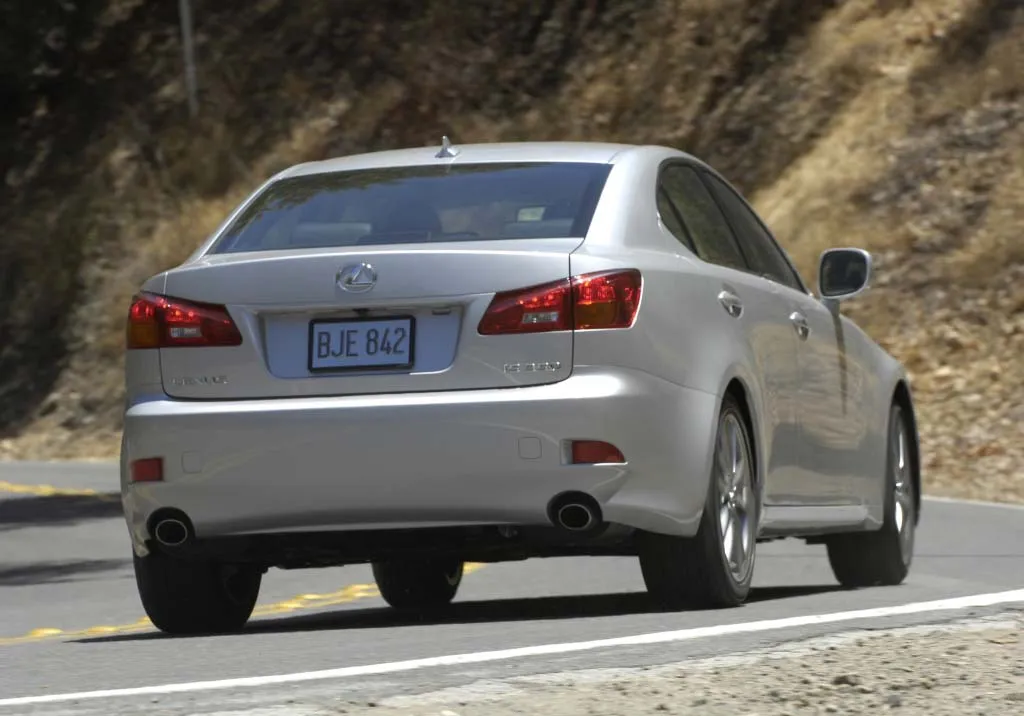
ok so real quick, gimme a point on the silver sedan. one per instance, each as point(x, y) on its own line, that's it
point(427, 357)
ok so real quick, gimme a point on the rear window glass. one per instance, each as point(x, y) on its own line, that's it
point(401, 205)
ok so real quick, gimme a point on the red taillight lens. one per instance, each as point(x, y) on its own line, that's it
point(595, 452)
point(531, 310)
point(606, 300)
point(150, 469)
point(161, 322)
point(597, 300)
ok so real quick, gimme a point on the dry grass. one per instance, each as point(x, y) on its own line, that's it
point(897, 125)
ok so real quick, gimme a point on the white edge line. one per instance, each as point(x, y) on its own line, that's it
point(942, 605)
point(973, 503)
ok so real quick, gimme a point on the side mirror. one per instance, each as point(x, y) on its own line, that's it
point(843, 273)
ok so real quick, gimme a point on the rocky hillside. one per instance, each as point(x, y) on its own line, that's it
point(897, 125)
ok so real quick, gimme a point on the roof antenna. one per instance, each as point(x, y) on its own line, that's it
point(446, 149)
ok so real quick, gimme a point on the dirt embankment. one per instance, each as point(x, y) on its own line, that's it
point(895, 125)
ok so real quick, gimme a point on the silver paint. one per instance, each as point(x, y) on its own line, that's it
point(272, 435)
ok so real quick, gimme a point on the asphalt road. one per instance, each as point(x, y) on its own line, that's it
point(70, 616)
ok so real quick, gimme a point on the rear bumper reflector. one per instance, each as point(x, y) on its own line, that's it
point(595, 452)
point(150, 469)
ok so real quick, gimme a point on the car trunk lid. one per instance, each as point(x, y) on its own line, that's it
point(358, 321)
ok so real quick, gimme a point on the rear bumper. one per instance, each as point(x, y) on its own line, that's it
point(423, 460)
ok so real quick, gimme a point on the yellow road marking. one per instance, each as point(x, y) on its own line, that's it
point(345, 595)
point(51, 491)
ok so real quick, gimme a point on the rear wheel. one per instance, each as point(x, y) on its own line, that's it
point(883, 557)
point(715, 567)
point(418, 586)
point(186, 597)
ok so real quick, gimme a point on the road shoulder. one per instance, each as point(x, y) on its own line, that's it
point(974, 666)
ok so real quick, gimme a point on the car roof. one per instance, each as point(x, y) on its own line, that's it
point(584, 152)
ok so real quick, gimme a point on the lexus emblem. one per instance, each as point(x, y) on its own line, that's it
point(357, 278)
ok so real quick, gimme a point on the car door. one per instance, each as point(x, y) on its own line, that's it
point(836, 388)
point(760, 313)
point(829, 431)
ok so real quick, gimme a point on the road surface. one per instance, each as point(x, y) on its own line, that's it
point(71, 623)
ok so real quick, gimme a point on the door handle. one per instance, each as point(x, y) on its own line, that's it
point(799, 322)
point(731, 303)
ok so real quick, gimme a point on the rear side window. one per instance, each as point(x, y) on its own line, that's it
point(706, 227)
point(764, 255)
point(670, 218)
point(420, 204)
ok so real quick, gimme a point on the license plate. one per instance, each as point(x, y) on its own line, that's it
point(361, 344)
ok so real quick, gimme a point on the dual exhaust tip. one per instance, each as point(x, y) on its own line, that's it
point(172, 530)
point(575, 512)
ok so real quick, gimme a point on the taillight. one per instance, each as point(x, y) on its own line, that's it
point(606, 300)
point(531, 310)
point(597, 300)
point(161, 322)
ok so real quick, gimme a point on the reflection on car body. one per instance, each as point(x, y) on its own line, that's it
point(420, 358)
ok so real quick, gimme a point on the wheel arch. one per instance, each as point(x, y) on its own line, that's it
point(739, 391)
point(901, 396)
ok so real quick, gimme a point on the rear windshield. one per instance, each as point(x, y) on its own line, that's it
point(401, 205)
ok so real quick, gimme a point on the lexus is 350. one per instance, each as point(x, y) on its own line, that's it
point(428, 357)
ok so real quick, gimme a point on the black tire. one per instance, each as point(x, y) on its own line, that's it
point(695, 572)
point(883, 557)
point(185, 597)
point(418, 586)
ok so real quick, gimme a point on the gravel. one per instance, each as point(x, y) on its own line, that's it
point(968, 668)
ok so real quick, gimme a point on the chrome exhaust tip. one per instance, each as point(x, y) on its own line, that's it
point(171, 532)
point(575, 517)
point(575, 512)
